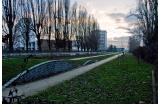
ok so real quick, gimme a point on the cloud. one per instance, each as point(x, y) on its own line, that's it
point(118, 20)
point(119, 41)
point(124, 38)
point(91, 7)
point(116, 15)
point(122, 16)
point(90, 3)
point(124, 28)
point(130, 19)
point(128, 30)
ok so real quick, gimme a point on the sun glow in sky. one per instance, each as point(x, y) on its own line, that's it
point(111, 15)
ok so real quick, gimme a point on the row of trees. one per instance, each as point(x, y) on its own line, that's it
point(51, 19)
point(134, 43)
point(146, 27)
point(112, 48)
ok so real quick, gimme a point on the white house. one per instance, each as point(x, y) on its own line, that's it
point(20, 36)
point(21, 44)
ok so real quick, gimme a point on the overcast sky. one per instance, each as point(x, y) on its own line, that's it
point(111, 14)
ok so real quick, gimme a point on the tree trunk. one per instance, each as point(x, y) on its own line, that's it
point(39, 43)
point(27, 40)
point(10, 26)
point(10, 39)
point(78, 46)
point(69, 45)
point(49, 41)
point(49, 45)
point(26, 47)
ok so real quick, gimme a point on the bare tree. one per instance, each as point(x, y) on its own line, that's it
point(10, 9)
point(84, 27)
point(134, 42)
point(25, 24)
point(94, 40)
point(93, 35)
point(66, 29)
point(74, 23)
point(56, 33)
point(49, 22)
point(112, 48)
point(38, 8)
point(23, 29)
point(146, 14)
point(82, 18)
point(89, 27)
point(59, 24)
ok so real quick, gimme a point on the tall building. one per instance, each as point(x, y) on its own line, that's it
point(102, 34)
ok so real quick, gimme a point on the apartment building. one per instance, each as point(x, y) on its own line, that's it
point(102, 34)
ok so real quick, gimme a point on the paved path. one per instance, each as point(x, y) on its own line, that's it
point(92, 56)
point(46, 53)
point(34, 87)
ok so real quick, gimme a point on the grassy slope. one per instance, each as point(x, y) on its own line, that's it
point(12, 67)
point(82, 61)
point(109, 83)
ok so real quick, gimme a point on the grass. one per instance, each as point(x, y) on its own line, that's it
point(82, 61)
point(110, 83)
point(53, 57)
point(12, 67)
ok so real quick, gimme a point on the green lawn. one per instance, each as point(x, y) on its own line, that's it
point(110, 83)
point(82, 61)
point(12, 67)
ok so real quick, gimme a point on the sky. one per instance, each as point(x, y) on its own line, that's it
point(112, 17)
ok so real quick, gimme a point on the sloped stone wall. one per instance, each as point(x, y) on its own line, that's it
point(39, 71)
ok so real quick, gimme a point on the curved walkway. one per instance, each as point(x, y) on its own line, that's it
point(92, 56)
point(34, 87)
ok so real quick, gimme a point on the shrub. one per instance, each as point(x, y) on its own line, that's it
point(148, 53)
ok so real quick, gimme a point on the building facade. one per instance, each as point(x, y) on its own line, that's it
point(102, 34)
point(21, 44)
